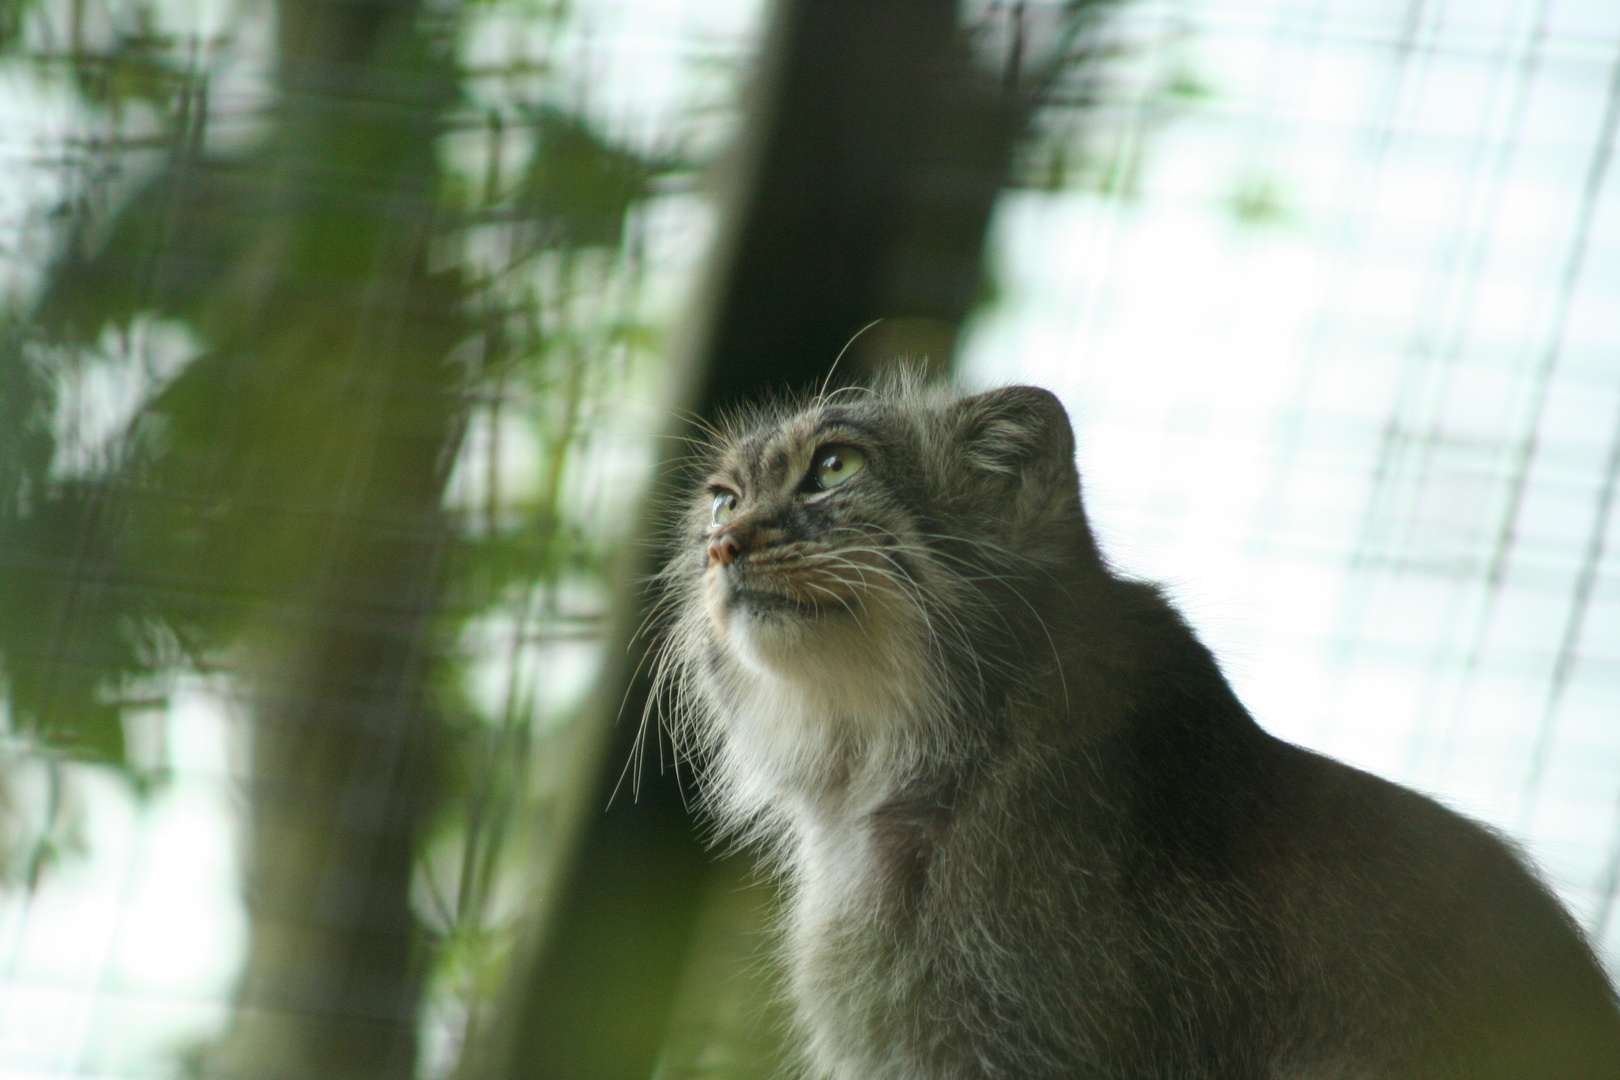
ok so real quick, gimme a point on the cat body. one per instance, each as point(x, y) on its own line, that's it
point(1026, 830)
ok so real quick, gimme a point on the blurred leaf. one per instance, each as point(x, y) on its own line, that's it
point(65, 613)
point(138, 67)
point(488, 568)
point(1185, 84)
point(164, 251)
point(239, 446)
point(578, 187)
point(26, 445)
point(1258, 202)
point(11, 20)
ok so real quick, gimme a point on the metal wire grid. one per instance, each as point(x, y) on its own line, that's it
point(1391, 439)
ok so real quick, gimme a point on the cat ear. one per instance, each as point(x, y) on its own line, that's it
point(1017, 431)
point(1015, 473)
point(1018, 451)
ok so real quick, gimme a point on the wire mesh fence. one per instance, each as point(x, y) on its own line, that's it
point(1346, 366)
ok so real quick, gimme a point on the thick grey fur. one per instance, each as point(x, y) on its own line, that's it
point(1024, 826)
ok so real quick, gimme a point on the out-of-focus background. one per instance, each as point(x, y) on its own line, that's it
point(347, 347)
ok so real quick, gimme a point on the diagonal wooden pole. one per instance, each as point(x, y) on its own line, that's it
point(870, 160)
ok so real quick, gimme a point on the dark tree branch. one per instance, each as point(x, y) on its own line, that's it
point(871, 159)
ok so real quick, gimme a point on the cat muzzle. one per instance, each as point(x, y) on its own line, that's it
point(724, 549)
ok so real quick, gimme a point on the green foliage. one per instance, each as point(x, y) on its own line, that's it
point(1099, 99)
point(275, 506)
point(26, 442)
point(1185, 84)
point(67, 621)
point(578, 188)
point(164, 251)
point(12, 13)
point(197, 529)
point(1258, 202)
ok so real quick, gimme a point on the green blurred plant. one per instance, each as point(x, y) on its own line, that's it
point(272, 499)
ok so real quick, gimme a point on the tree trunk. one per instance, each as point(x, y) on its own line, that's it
point(870, 162)
point(340, 375)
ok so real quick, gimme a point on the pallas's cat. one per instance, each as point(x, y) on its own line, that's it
point(1026, 829)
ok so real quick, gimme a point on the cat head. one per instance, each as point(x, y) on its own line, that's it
point(847, 563)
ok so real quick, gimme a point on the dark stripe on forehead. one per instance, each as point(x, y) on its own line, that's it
point(767, 455)
point(746, 460)
point(779, 458)
point(776, 455)
point(841, 422)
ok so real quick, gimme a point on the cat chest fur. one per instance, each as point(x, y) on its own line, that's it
point(911, 946)
point(861, 964)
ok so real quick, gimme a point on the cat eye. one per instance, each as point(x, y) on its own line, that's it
point(725, 507)
point(835, 464)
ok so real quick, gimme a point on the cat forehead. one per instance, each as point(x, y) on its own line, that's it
point(774, 449)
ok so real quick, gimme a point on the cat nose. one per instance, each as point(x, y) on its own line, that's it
point(724, 549)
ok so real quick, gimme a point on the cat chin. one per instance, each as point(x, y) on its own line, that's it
point(843, 661)
point(797, 695)
point(770, 634)
point(795, 646)
point(825, 661)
